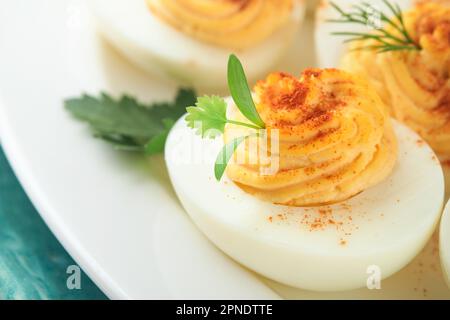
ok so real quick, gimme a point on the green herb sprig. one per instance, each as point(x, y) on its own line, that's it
point(129, 125)
point(208, 116)
point(384, 40)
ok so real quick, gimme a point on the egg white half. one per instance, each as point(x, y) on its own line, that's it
point(390, 224)
point(330, 48)
point(444, 243)
point(446, 168)
point(160, 49)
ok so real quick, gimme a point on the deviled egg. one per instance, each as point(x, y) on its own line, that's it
point(411, 75)
point(190, 40)
point(352, 193)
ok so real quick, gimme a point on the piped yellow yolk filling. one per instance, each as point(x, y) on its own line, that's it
point(333, 133)
point(415, 84)
point(234, 24)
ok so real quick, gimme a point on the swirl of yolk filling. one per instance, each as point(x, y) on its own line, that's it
point(335, 139)
point(415, 84)
point(235, 24)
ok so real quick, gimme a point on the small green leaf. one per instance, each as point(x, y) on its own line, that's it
point(208, 117)
point(225, 155)
point(240, 91)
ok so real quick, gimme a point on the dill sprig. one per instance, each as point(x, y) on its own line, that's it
point(396, 40)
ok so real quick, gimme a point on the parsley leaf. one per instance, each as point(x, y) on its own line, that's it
point(225, 155)
point(208, 117)
point(128, 124)
point(240, 91)
point(157, 143)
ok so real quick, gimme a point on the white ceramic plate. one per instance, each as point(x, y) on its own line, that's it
point(444, 241)
point(116, 214)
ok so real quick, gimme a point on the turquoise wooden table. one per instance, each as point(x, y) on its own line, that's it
point(33, 265)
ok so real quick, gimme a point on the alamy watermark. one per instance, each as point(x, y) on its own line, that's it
point(261, 148)
point(73, 281)
point(374, 279)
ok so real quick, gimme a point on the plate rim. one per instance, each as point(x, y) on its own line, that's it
point(59, 229)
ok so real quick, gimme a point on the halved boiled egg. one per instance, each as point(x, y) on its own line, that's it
point(325, 248)
point(355, 207)
point(444, 243)
point(190, 40)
